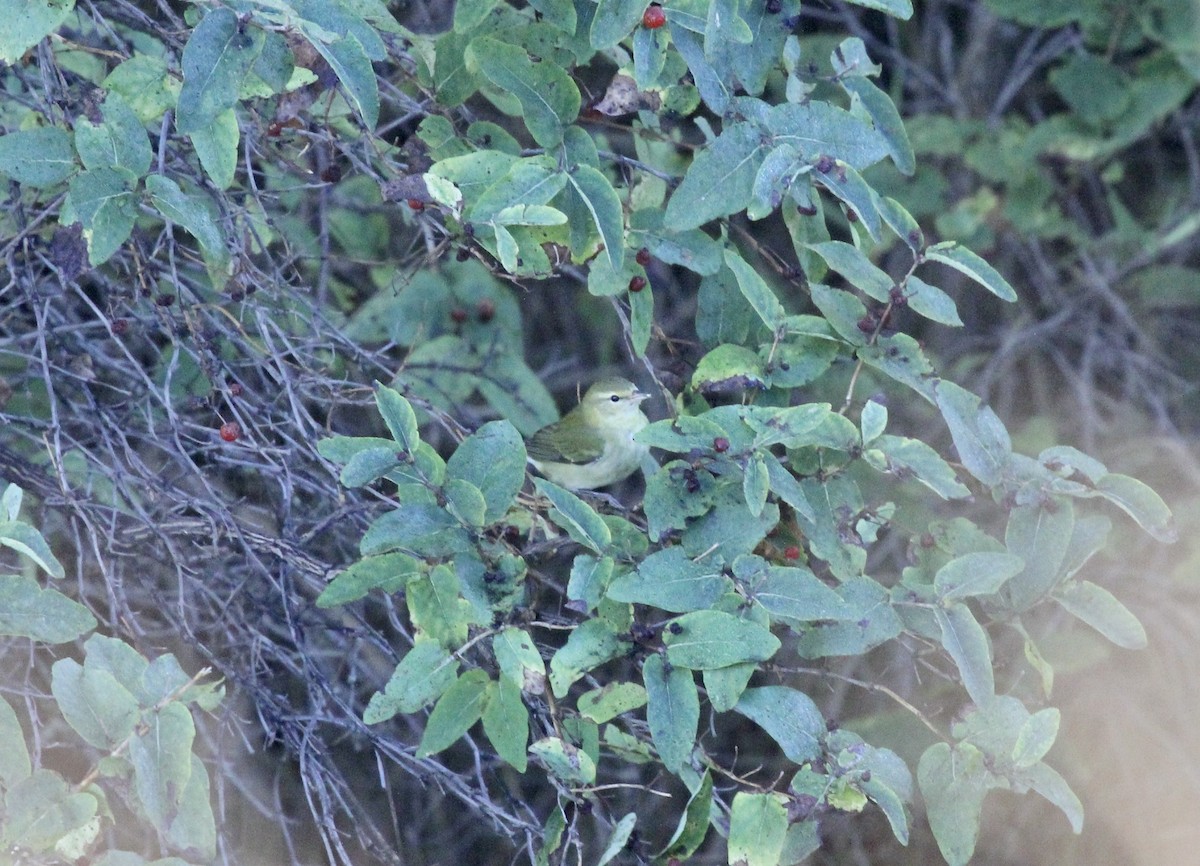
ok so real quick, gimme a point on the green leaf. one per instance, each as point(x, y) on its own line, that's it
point(729, 367)
point(789, 716)
point(787, 488)
point(469, 14)
point(549, 98)
point(194, 828)
point(389, 572)
point(848, 185)
point(217, 148)
point(506, 722)
point(590, 577)
point(669, 580)
point(931, 302)
point(757, 826)
point(873, 421)
point(1141, 503)
point(570, 764)
point(605, 703)
point(574, 515)
point(901, 9)
point(14, 756)
point(41, 809)
point(871, 623)
point(882, 111)
point(953, 782)
point(1039, 534)
point(707, 639)
point(23, 538)
point(979, 573)
point(672, 711)
point(27, 22)
point(756, 483)
point(720, 179)
point(756, 291)
point(790, 593)
point(191, 212)
point(519, 660)
point(692, 249)
point(145, 84)
point(420, 678)
point(962, 259)
point(100, 709)
point(817, 129)
point(437, 607)
point(861, 272)
point(979, 435)
point(556, 822)
point(1037, 736)
point(118, 142)
point(493, 459)
point(619, 839)
point(591, 644)
point(1100, 609)
point(398, 415)
point(420, 528)
point(103, 202)
point(349, 60)
point(218, 55)
point(161, 755)
point(38, 157)
point(693, 824)
point(831, 500)
point(1047, 782)
point(604, 205)
point(711, 83)
point(27, 610)
point(966, 642)
point(459, 707)
point(614, 20)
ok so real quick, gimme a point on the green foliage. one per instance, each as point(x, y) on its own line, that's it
point(133, 713)
point(796, 460)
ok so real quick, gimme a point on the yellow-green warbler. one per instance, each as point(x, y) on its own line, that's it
point(592, 445)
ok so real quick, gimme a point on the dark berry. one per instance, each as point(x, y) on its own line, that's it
point(235, 389)
point(486, 310)
point(166, 299)
point(332, 174)
point(720, 445)
point(120, 326)
point(642, 257)
point(459, 315)
point(636, 284)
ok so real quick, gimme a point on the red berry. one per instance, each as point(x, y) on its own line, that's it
point(231, 431)
point(643, 257)
point(332, 174)
point(636, 284)
point(459, 315)
point(653, 17)
point(792, 552)
point(416, 204)
point(720, 445)
point(120, 326)
point(485, 309)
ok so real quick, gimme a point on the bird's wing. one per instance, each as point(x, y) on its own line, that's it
point(548, 444)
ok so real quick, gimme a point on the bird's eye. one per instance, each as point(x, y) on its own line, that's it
point(616, 398)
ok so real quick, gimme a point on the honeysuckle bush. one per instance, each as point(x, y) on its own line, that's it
point(824, 494)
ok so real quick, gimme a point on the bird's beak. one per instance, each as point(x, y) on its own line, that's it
point(640, 395)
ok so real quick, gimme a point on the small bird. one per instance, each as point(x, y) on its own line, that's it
point(592, 445)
